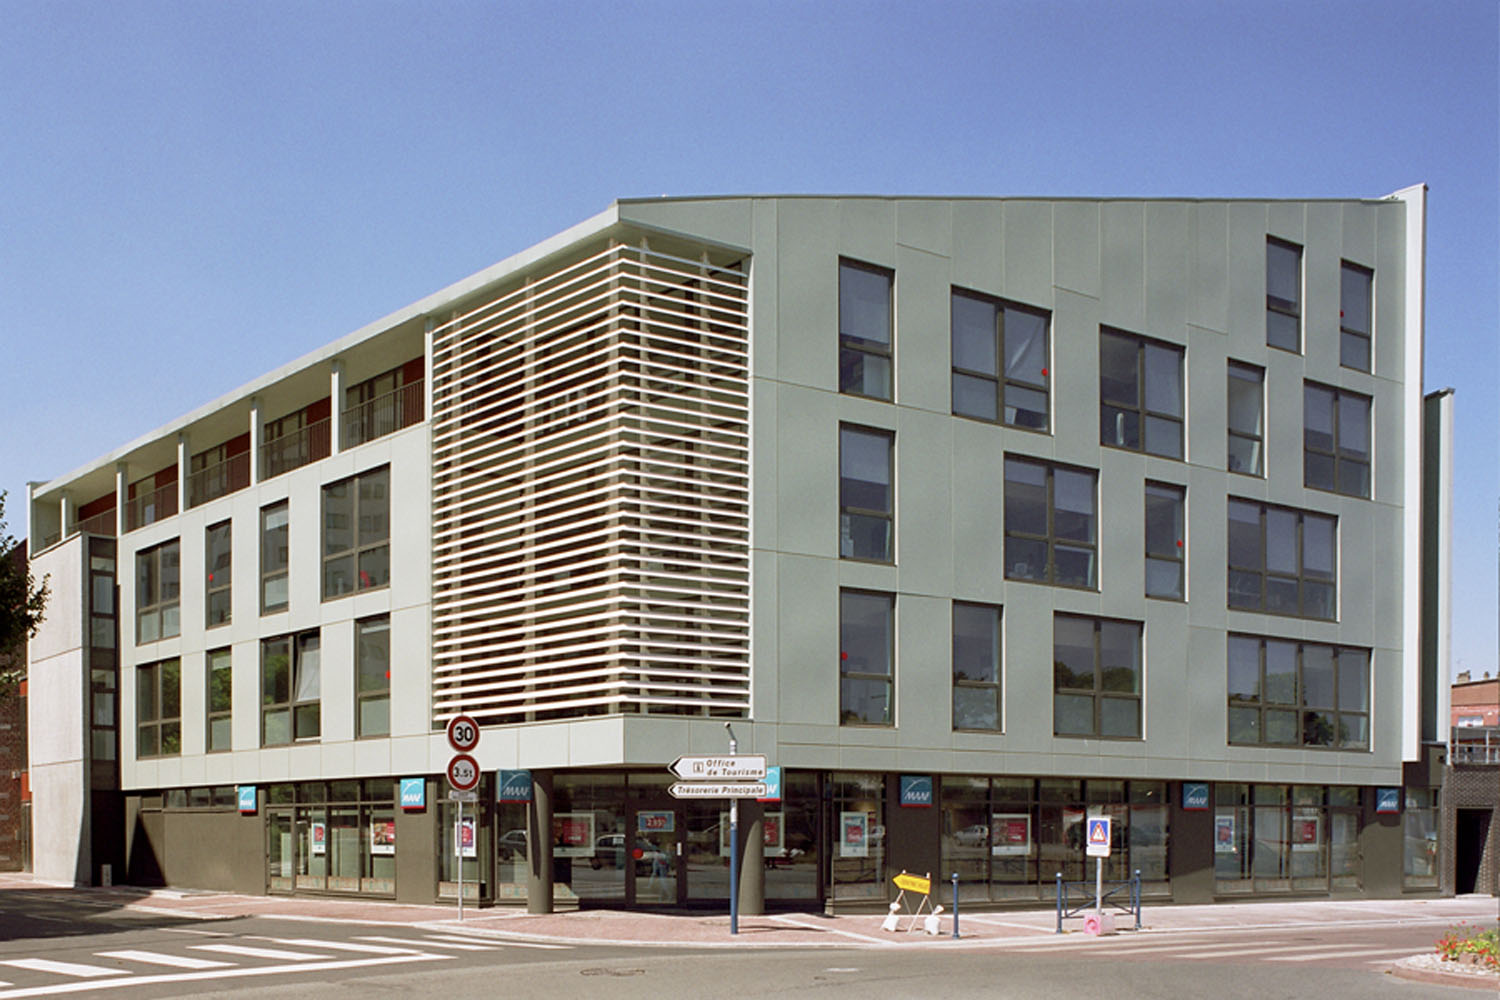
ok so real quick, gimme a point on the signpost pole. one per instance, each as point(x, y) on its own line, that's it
point(1099, 888)
point(458, 849)
point(734, 847)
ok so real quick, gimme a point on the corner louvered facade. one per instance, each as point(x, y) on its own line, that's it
point(590, 520)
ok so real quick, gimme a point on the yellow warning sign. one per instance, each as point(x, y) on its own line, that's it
point(913, 883)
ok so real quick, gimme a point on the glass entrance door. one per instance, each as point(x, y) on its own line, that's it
point(653, 858)
point(706, 850)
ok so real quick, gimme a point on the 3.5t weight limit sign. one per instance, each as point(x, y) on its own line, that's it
point(463, 733)
point(463, 772)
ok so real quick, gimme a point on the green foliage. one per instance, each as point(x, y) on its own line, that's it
point(1465, 940)
point(22, 602)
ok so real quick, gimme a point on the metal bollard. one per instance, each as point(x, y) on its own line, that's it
point(1059, 902)
point(1135, 892)
point(955, 906)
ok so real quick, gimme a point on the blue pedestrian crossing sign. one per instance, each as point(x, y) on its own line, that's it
point(1098, 837)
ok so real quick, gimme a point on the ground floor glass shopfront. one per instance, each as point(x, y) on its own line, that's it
point(332, 836)
point(1286, 838)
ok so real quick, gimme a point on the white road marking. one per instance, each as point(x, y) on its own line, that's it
point(1359, 953)
point(370, 949)
point(498, 942)
point(157, 958)
point(785, 919)
point(456, 946)
point(63, 968)
point(240, 949)
point(1262, 949)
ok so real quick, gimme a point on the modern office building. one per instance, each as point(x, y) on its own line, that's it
point(974, 516)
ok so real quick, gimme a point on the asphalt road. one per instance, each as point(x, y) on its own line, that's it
point(60, 944)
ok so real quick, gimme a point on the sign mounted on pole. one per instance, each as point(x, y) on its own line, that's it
point(718, 790)
point(463, 733)
point(739, 767)
point(463, 773)
point(1098, 837)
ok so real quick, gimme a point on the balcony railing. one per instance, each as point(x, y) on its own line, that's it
point(99, 524)
point(294, 450)
point(219, 480)
point(151, 507)
point(385, 414)
point(1475, 745)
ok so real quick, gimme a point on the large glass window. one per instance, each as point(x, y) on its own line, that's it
point(1336, 440)
point(218, 560)
point(999, 360)
point(158, 709)
point(357, 533)
point(157, 589)
point(372, 648)
point(976, 666)
point(858, 863)
point(1096, 677)
point(274, 557)
point(1283, 294)
point(1050, 523)
point(866, 500)
point(1140, 394)
point(1285, 693)
point(1166, 558)
point(1356, 308)
point(1285, 838)
point(865, 329)
point(1246, 419)
point(867, 629)
point(1282, 561)
point(220, 700)
point(1420, 823)
point(290, 689)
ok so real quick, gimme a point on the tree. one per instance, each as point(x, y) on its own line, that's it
point(22, 602)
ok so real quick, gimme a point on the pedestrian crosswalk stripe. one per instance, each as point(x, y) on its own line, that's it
point(1360, 953)
point(492, 942)
point(1261, 949)
point(371, 949)
point(240, 949)
point(427, 943)
point(62, 968)
point(157, 958)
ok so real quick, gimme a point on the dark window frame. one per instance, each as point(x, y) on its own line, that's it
point(1349, 333)
point(1099, 692)
point(152, 705)
point(1001, 379)
point(848, 716)
point(856, 348)
point(1140, 409)
point(1176, 555)
point(1250, 374)
point(158, 591)
point(218, 575)
point(1306, 723)
point(275, 562)
point(1279, 306)
point(1335, 455)
point(1051, 539)
point(1305, 581)
point(304, 715)
point(961, 682)
point(368, 695)
point(362, 548)
point(848, 511)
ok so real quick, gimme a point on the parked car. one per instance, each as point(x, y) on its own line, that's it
point(512, 844)
point(977, 835)
point(610, 850)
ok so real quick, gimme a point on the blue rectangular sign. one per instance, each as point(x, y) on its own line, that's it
point(413, 793)
point(916, 791)
point(514, 786)
point(1387, 800)
point(1195, 795)
point(773, 785)
point(246, 796)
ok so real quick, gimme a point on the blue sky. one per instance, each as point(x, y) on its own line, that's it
point(194, 193)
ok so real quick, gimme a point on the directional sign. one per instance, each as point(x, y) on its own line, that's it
point(739, 767)
point(463, 733)
point(914, 883)
point(463, 772)
point(718, 790)
point(1098, 838)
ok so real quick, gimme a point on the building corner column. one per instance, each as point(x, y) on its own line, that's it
point(183, 463)
point(257, 431)
point(752, 858)
point(539, 844)
point(336, 407)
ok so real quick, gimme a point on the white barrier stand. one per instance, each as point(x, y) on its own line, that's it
point(1098, 924)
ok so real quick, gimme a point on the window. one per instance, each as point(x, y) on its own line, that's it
point(157, 585)
point(1282, 560)
point(372, 648)
point(357, 533)
point(866, 510)
point(1165, 555)
point(220, 700)
point(1140, 394)
point(158, 709)
point(1096, 667)
point(1283, 294)
point(867, 627)
point(976, 666)
point(1355, 311)
point(1336, 440)
point(290, 689)
point(1050, 523)
point(1246, 419)
point(217, 558)
point(864, 330)
point(999, 351)
point(273, 558)
point(1303, 694)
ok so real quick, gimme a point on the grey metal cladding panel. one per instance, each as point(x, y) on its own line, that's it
point(764, 289)
point(1075, 378)
point(1028, 666)
point(924, 709)
point(1028, 260)
point(927, 224)
point(1247, 272)
point(722, 220)
point(1359, 223)
point(1169, 272)
point(807, 278)
point(807, 606)
point(1320, 280)
point(1207, 542)
point(1209, 306)
point(1174, 676)
point(807, 471)
point(764, 486)
point(1287, 220)
point(925, 541)
point(1388, 419)
point(1390, 292)
point(978, 510)
point(1206, 371)
point(1076, 246)
point(1201, 702)
point(1122, 264)
point(979, 247)
point(867, 230)
point(922, 332)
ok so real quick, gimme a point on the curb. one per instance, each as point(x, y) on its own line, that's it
point(1415, 970)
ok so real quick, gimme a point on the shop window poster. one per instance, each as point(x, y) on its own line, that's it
point(854, 835)
point(382, 836)
point(318, 835)
point(1224, 835)
point(463, 837)
point(771, 834)
point(1010, 834)
point(573, 835)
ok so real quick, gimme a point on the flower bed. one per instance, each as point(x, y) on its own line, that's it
point(1471, 946)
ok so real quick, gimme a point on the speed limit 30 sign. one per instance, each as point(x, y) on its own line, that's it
point(463, 772)
point(463, 733)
